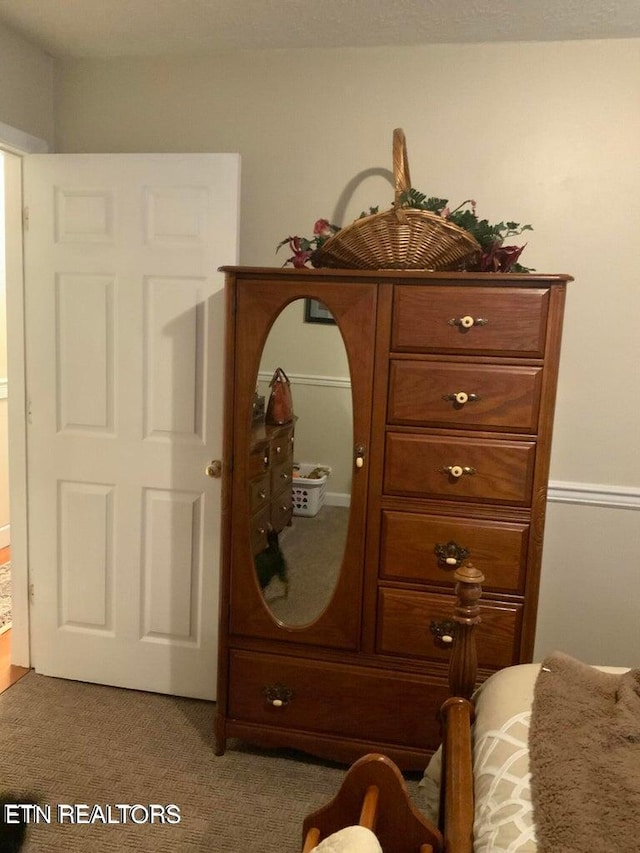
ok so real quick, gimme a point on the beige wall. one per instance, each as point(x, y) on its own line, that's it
point(541, 133)
point(26, 104)
point(590, 594)
point(4, 457)
point(26, 86)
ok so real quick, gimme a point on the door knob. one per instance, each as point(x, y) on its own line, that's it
point(214, 468)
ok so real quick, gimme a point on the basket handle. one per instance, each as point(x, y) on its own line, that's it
point(401, 176)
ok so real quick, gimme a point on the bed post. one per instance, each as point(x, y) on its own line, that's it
point(463, 665)
point(457, 804)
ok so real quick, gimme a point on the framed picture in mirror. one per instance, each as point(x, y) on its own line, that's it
point(316, 312)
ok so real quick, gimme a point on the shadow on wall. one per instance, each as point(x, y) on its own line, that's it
point(352, 186)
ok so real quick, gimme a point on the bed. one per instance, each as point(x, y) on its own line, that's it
point(480, 793)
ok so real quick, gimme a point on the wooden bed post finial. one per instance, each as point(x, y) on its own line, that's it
point(463, 665)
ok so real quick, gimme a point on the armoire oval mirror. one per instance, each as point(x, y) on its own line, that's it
point(308, 492)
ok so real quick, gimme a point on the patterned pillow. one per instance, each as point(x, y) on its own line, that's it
point(504, 813)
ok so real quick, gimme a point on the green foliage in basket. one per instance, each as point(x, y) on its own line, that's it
point(496, 257)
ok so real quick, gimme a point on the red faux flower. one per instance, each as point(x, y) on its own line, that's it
point(499, 258)
point(304, 248)
point(322, 228)
point(301, 251)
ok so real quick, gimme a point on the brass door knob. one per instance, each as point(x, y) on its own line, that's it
point(214, 468)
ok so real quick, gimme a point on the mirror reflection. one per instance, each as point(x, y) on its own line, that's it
point(301, 462)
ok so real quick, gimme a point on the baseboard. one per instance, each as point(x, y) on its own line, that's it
point(592, 494)
point(337, 499)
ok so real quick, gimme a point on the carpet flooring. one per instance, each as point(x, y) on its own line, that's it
point(313, 548)
point(74, 743)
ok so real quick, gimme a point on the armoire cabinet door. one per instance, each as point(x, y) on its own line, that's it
point(257, 306)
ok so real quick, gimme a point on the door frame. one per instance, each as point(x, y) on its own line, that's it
point(17, 144)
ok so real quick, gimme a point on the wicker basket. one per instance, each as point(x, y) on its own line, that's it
point(400, 238)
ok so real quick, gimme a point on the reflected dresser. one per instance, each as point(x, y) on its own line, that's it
point(271, 470)
point(452, 382)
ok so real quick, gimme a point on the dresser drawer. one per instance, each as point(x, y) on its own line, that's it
point(409, 542)
point(258, 526)
point(282, 508)
point(339, 700)
point(259, 492)
point(489, 470)
point(258, 458)
point(496, 397)
point(282, 446)
point(500, 320)
point(404, 627)
point(281, 476)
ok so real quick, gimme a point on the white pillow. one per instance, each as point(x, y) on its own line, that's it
point(351, 839)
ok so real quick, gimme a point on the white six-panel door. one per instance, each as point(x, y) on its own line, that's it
point(124, 343)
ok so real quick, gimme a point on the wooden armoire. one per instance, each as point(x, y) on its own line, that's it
point(453, 383)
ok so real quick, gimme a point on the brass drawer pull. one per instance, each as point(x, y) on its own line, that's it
point(444, 632)
point(467, 321)
point(277, 695)
point(451, 555)
point(284, 476)
point(460, 398)
point(457, 471)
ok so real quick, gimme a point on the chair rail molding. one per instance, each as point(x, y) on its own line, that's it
point(310, 379)
point(592, 494)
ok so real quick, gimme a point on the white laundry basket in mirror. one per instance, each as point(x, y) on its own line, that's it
point(308, 493)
